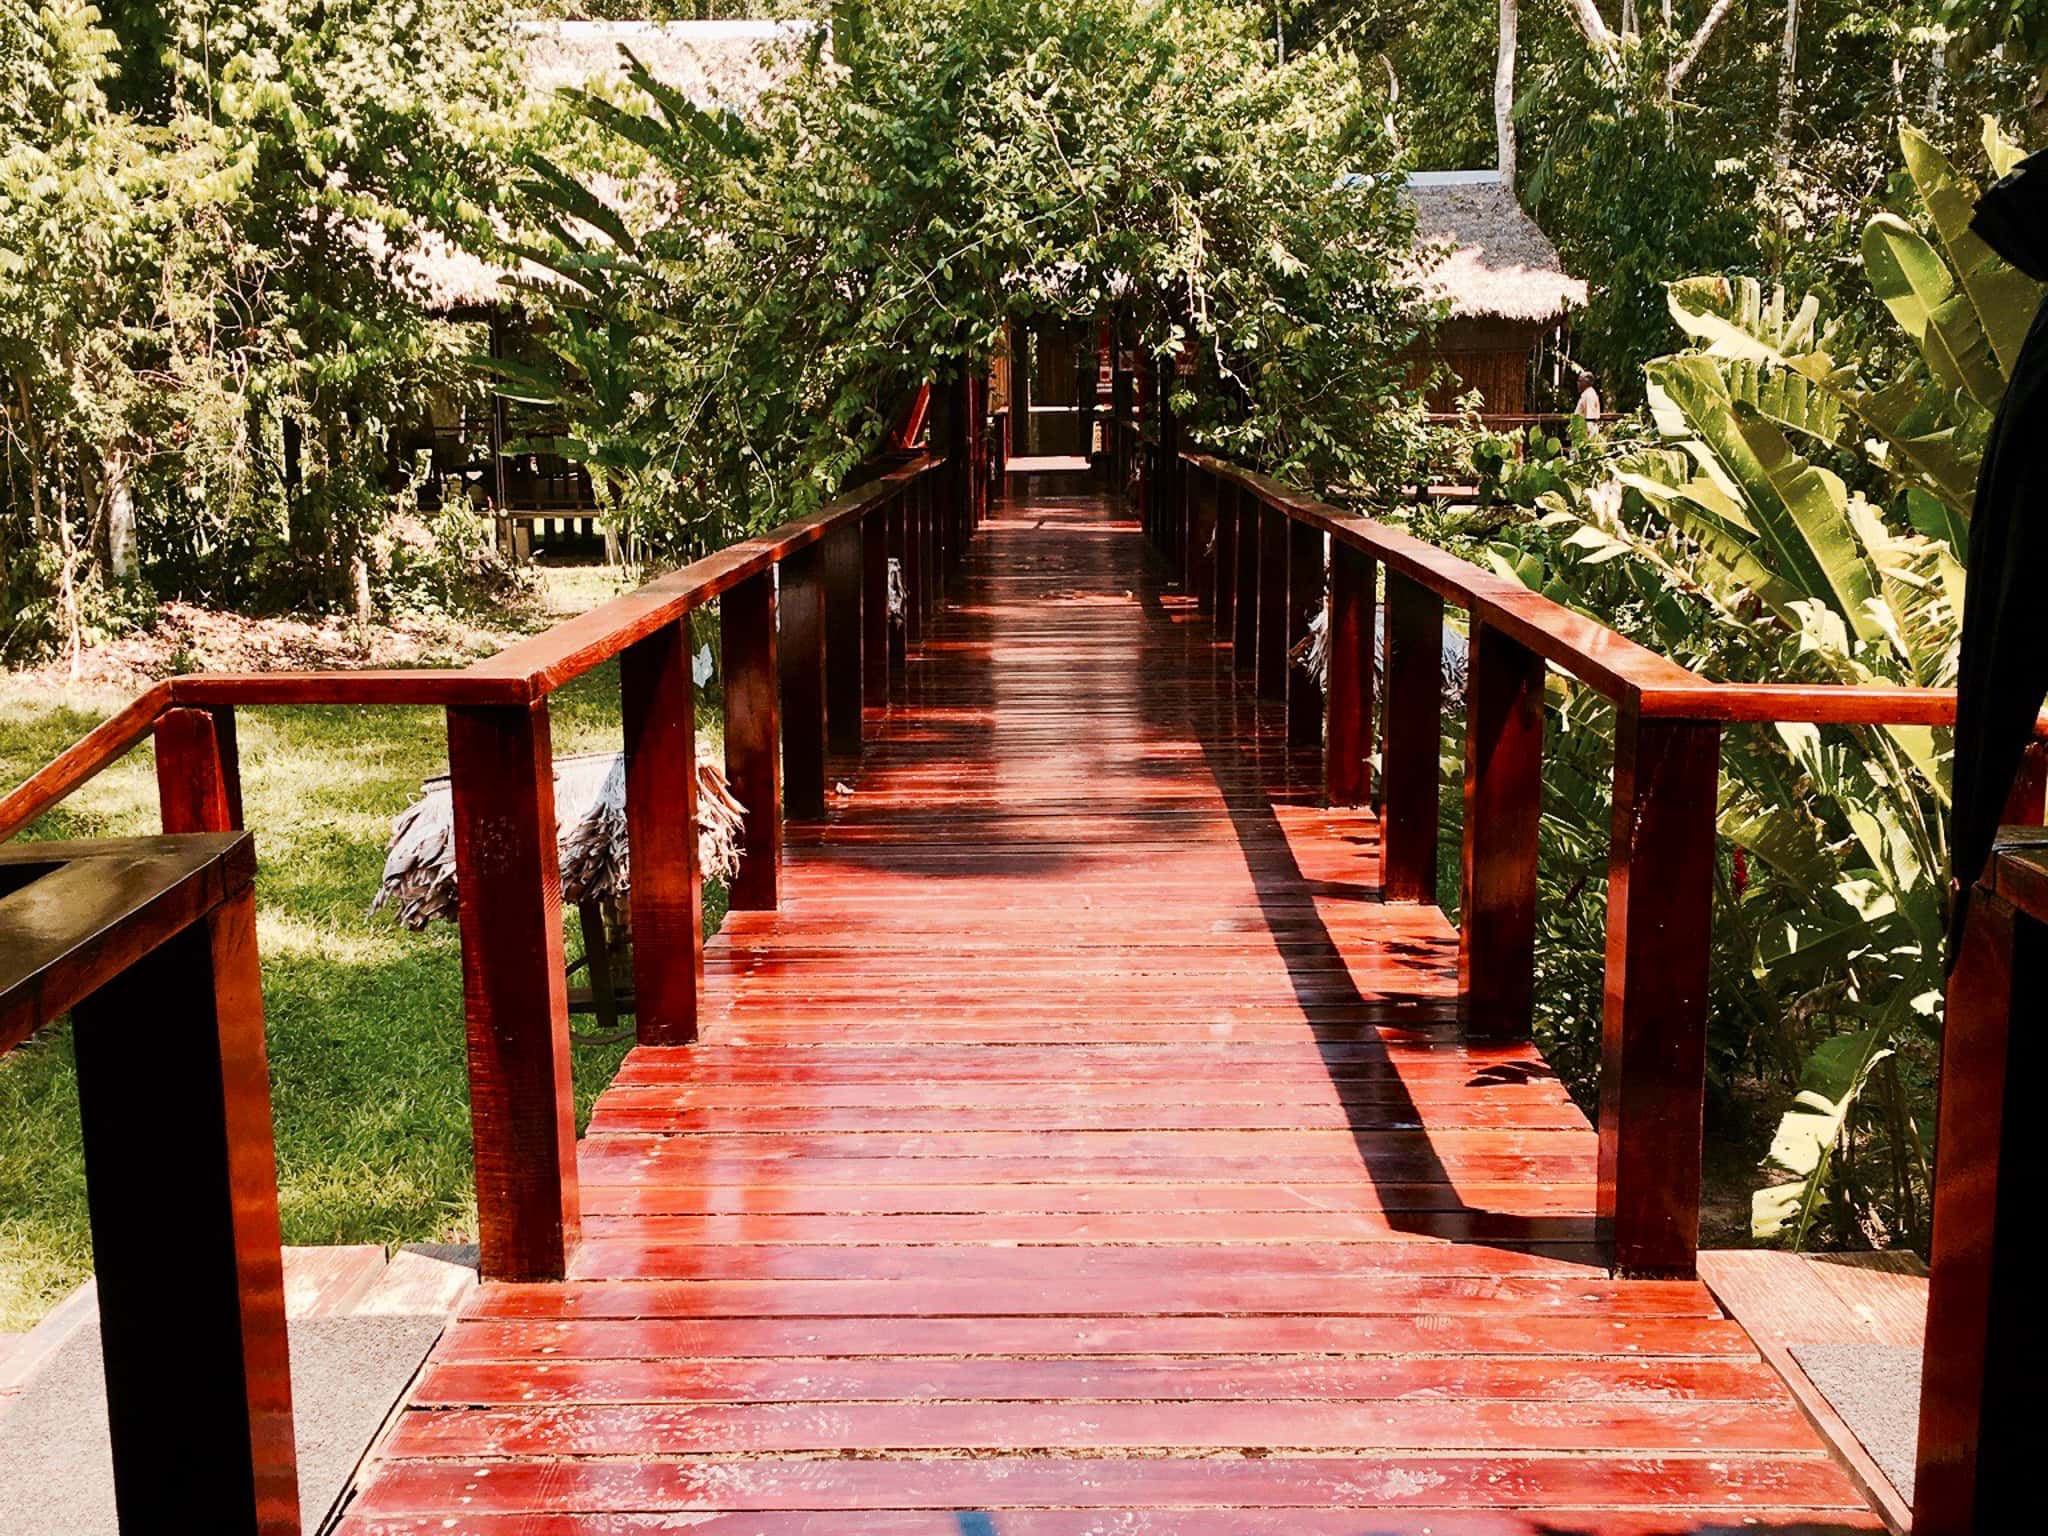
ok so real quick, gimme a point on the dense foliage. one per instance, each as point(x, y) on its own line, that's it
point(735, 340)
point(208, 320)
point(1798, 511)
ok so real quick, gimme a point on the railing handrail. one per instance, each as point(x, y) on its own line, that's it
point(523, 672)
point(1627, 672)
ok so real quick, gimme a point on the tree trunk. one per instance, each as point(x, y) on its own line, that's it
point(1504, 94)
point(120, 499)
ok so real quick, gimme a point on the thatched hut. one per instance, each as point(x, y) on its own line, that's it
point(1506, 290)
point(727, 64)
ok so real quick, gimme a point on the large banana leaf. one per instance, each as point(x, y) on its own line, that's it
point(1799, 510)
point(1999, 300)
point(1807, 1137)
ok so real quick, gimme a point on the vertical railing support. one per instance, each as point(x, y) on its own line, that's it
point(1223, 603)
point(915, 502)
point(1411, 741)
point(842, 555)
point(1304, 602)
point(874, 603)
point(1276, 623)
point(1347, 739)
point(1660, 885)
point(1199, 498)
point(174, 1120)
point(800, 658)
point(1986, 1348)
point(198, 778)
point(898, 524)
point(1244, 645)
point(1503, 806)
point(753, 734)
point(658, 701)
point(509, 905)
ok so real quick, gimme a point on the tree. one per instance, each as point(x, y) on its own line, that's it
point(776, 284)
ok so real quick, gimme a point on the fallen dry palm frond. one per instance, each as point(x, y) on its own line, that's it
point(590, 833)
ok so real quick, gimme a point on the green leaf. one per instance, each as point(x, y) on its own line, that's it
point(1805, 1143)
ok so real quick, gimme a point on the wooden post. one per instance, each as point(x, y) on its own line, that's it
point(1347, 740)
point(842, 553)
point(1245, 612)
point(1201, 513)
point(198, 779)
point(181, 1187)
point(1653, 1064)
point(1411, 741)
point(1304, 602)
point(800, 657)
point(1503, 804)
point(899, 551)
point(659, 705)
point(753, 737)
point(1275, 622)
point(874, 604)
point(912, 556)
point(1986, 1346)
point(509, 903)
point(1223, 567)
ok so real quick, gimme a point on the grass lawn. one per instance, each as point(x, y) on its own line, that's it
point(369, 1088)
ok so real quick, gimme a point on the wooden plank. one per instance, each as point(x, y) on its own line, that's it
point(1729, 1485)
point(327, 1281)
point(418, 1284)
point(1784, 1302)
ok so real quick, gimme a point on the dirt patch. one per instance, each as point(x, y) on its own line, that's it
point(184, 638)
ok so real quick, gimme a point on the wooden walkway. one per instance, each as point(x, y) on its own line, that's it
point(1084, 1148)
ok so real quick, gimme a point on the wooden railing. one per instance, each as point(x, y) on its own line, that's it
point(1253, 553)
point(1986, 1348)
point(150, 943)
point(806, 643)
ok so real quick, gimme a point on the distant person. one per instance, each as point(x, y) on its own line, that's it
point(1589, 396)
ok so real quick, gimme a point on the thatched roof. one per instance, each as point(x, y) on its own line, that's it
point(714, 63)
point(1483, 254)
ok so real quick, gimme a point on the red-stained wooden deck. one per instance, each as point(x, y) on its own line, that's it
point(1083, 1147)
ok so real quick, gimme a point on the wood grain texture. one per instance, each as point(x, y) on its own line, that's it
point(1985, 1341)
point(1503, 804)
point(800, 670)
point(1411, 740)
point(658, 701)
point(174, 1111)
point(1085, 1146)
point(1653, 1064)
point(197, 783)
point(753, 737)
point(515, 997)
point(1347, 740)
point(1305, 597)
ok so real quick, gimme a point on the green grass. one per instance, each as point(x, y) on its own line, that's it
point(368, 1082)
